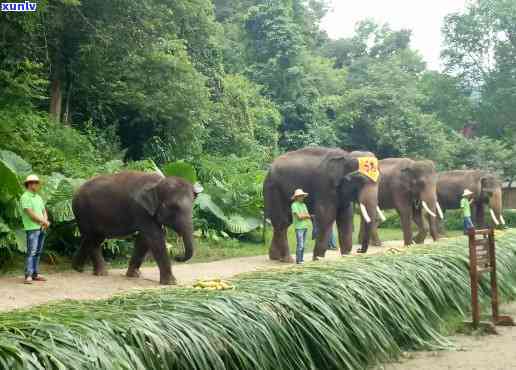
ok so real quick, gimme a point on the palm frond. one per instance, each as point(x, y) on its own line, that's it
point(349, 314)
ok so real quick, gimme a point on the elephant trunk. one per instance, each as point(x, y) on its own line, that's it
point(496, 209)
point(430, 205)
point(368, 201)
point(188, 243)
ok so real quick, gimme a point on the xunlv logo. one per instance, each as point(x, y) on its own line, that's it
point(19, 7)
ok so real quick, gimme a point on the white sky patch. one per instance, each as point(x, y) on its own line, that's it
point(424, 17)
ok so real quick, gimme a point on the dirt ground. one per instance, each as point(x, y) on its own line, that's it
point(483, 352)
point(74, 285)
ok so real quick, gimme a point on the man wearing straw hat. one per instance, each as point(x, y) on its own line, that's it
point(35, 222)
point(465, 205)
point(301, 218)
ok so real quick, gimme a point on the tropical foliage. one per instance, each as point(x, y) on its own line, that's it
point(225, 86)
point(342, 315)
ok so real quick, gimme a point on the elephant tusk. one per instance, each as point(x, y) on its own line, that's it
point(425, 206)
point(439, 210)
point(380, 213)
point(502, 220)
point(494, 217)
point(363, 209)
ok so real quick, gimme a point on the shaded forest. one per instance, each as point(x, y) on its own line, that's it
point(93, 86)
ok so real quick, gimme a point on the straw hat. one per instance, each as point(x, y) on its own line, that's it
point(31, 178)
point(299, 193)
point(467, 192)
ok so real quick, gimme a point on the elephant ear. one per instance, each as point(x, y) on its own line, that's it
point(409, 177)
point(339, 167)
point(147, 197)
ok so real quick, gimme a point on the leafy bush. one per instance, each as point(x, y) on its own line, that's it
point(233, 199)
point(53, 147)
point(349, 314)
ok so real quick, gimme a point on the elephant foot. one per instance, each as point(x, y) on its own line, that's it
point(274, 255)
point(78, 267)
point(169, 280)
point(287, 259)
point(101, 272)
point(133, 273)
point(420, 239)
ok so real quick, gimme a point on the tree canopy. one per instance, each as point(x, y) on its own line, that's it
point(174, 80)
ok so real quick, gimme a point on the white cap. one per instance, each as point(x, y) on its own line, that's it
point(467, 192)
point(31, 178)
point(299, 193)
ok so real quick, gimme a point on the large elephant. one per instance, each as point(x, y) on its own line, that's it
point(333, 182)
point(133, 202)
point(409, 187)
point(486, 188)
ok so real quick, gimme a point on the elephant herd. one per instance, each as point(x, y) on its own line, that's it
point(332, 178)
point(141, 204)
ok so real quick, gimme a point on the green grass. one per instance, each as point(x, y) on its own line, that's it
point(349, 314)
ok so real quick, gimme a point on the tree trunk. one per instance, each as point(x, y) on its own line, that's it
point(56, 99)
point(66, 115)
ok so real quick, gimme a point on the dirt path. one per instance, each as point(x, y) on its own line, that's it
point(489, 352)
point(74, 285)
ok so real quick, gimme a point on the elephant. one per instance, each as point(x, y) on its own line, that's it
point(131, 203)
point(333, 182)
point(410, 187)
point(486, 188)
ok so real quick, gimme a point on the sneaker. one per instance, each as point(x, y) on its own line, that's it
point(28, 280)
point(38, 278)
point(300, 262)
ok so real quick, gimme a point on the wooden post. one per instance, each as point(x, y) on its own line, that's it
point(482, 259)
point(473, 274)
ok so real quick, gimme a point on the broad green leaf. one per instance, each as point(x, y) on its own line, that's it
point(181, 169)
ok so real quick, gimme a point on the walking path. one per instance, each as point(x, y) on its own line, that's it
point(486, 352)
point(74, 285)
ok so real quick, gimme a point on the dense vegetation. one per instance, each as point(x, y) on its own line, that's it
point(91, 86)
point(342, 315)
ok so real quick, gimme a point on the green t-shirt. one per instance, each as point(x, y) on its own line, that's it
point(466, 207)
point(299, 208)
point(33, 201)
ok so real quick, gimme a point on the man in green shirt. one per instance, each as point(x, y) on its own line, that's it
point(465, 205)
point(35, 223)
point(301, 219)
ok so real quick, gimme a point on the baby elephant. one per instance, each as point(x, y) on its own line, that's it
point(126, 203)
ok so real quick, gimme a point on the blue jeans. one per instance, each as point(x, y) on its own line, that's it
point(300, 247)
point(468, 224)
point(35, 240)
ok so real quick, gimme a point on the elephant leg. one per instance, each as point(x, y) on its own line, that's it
point(322, 240)
point(99, 265)
point(406, 225)
point(85, 251)
point(279, 210)
point(155, 239)
point(279, 250)
point(139, 252)
point(361, 232)
point(345, 229)
point(478, 213)
point(420, 223)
